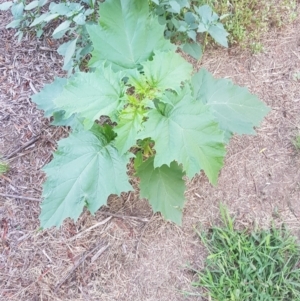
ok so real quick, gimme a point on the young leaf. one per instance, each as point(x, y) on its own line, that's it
point(17, 10)
point(164, 188)
point(14, 23)
point(211, 25)
point(86, 169)
point(184, 130)
point(32, 5)
point(193, 49)
point(69, 53)
point(175, 7)
point(92, 95)
point(60, 8)
point(42, 2)
point(62, 27)
point(40, 19)
point(51, 17)
point(131, 119)
point(206, 13)
point(79, 19)
point(218, 32)
point(127, 35)
point(167, 70)
point(6, 5)
point(234, 107)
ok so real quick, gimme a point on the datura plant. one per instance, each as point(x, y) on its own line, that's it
point(141, 104)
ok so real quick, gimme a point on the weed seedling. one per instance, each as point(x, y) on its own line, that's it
point(296, 142)
point(3, 167)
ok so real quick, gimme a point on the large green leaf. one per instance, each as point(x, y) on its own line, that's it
point(167, 70)
point(184, 130)
point(127, 35)
point(164, 188)
point(92, 95)
point(44, 99)
point(86, 169)
point(130, 123)
point(234, 107)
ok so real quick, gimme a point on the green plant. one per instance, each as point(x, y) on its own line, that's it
point(3, 167)
point(261, 265)
point(248, 20)
point(141, 104)
point(296, 142)
point(184, 21)
point(296, 76)
point(74, 16)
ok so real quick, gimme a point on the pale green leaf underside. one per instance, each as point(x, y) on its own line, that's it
point(187, 133)
point(164, 188)
point(130, 123)
point(234, 107)
point(127, 35)
point(44, 99)
point(86, 169)
point(92, 95)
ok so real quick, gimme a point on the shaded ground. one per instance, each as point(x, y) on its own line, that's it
point(123, 258)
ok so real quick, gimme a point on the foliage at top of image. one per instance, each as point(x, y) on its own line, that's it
point(247, 20)
point(69, 17)
point(261, 265)
point(183, 22)
point(141, 103)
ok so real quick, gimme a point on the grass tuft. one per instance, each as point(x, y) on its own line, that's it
point(3, 167)
point(242, 266)
point(296, 142)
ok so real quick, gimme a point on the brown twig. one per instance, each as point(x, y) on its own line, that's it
point(142, 219)
point(83, 258)
point(141, 236)
point(27, 144)
point(19, 197)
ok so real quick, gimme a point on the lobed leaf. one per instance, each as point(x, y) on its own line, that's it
point(184, 130)
point(85, 170)
point(130, 123)
point(167, 70)
point(44, 99)
point(92, 95)
point(164, 188)
point(234, 107)
point(127, 34)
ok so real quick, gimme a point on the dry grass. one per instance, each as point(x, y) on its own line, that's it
point(113, 258)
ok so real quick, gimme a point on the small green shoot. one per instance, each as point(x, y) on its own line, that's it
point(296, 142)
point(242, 266)
point(296, 76)
point(3, 167)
